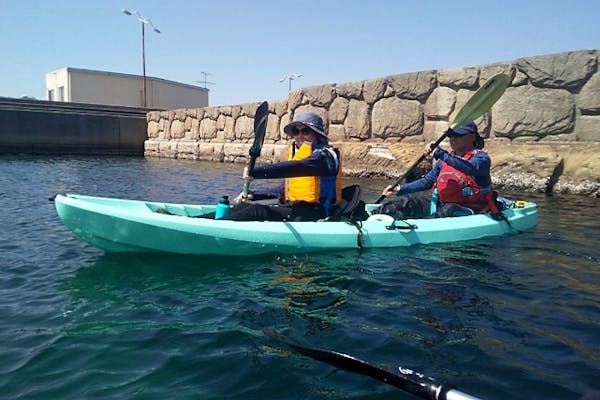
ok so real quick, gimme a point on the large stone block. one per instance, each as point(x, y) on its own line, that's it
point(357, 123)
point(338, 110)
point(177, 129)
point(278, 107)
point(567, 70)
point(295, 98)
point(394, 117)
point(272, 132)
point(211, 152)
point(151, 148)
point(227, 133)
point(531, 111)
point(465, 77)
point(208, 129)
point(374, 90)
point(489, 70)
point(588, 99)
point(440, 103)
point(244, 128)
point(412, 86)
point(588, 128)
point(187, 149)
point(164, 129)
point(337, 133)
point(320, 96)
point(432, 130)
point(153, 129)
point(349, 90)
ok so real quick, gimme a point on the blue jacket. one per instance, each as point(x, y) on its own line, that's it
point(320, 163)
point(478, 167)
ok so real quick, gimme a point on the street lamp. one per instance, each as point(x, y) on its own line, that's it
point(144, 21)
point(290, 78)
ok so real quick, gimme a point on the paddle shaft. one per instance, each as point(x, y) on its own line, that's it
point(478, 104)
point(410, 381)
point(414, 165)
point(260, 127)
point(250, 165)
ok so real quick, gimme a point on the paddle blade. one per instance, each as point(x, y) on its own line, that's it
point(260, 128)
point(482, 101)
point(405, 379)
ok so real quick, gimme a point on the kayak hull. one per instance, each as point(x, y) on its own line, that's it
point(117, 225)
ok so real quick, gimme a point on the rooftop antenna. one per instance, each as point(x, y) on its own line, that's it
point(204, 81)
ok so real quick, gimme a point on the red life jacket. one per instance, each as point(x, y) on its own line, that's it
point(455, 186)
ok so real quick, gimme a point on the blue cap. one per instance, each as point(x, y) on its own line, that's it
point(466, 129)
point(310, 120)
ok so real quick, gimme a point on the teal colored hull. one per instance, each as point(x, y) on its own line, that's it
point(117, 225)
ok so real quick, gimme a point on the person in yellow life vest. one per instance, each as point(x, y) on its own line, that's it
point(313, 178)
point(460, 179)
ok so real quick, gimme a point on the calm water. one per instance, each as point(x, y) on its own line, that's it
point(509, 318)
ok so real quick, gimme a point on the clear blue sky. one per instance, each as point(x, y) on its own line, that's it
point(248, 46)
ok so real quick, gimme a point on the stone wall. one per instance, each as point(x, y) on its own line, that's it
point(381, 124)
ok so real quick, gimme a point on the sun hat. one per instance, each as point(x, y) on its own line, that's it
point(478, 143)
point(466, 129)
point(309, 120)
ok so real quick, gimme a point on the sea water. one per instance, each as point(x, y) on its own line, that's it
point(515, 317)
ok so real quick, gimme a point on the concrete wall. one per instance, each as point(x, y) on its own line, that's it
point(382, 124)
point(40, 127)
point(110, 88)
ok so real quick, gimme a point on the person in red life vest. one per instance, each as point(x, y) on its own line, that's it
point(460, 180)
point(313, 178)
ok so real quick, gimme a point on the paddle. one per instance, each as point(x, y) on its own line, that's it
point(478, 104)
point(406, 379)
point(260, 127)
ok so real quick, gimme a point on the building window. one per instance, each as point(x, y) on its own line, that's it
point(61, 93)
point(51, 95)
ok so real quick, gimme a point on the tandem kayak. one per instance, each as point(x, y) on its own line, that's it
point(118, 225)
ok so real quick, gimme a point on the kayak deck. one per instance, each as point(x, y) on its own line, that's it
point(117, 225)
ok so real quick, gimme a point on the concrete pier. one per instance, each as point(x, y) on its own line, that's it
point(45, 127)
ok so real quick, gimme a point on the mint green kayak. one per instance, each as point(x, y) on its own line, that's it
point(117, 225)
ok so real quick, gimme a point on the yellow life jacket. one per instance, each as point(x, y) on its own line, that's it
point(308, 188)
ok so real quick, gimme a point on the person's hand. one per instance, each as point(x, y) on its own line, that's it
point(240, 198)
point(390, 190)
point(429, 148)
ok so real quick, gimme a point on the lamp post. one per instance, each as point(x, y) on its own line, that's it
point(144, 21)
point(290, 78)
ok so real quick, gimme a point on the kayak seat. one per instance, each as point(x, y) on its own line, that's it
point(352, 207)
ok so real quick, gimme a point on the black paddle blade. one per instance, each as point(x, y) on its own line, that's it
point(407, 380)
point(260, 128)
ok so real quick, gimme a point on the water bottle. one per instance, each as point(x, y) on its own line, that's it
point(223, 208)
point(434, 202)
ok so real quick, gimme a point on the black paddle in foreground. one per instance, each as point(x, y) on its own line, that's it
point(260, 127)
point(481, 102)
point(406, 379)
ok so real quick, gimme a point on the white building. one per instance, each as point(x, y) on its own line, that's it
point(78, 85)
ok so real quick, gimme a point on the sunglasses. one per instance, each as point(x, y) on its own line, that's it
point(304, 131)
